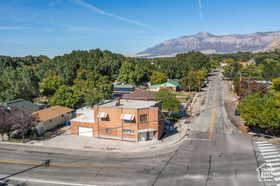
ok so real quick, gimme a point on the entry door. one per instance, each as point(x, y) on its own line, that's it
point(83, 131)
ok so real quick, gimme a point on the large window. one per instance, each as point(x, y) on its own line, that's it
point(128, 118)
point(143, 118)
point(108, 130)
point(128, 131)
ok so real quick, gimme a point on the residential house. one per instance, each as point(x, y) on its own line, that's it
point(123, 119)
point(140, 94)
point(171, 84)
point(52, 117)
point(248, 86)
point(22, 104)
point(248, 63)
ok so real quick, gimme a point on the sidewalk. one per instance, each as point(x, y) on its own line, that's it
point(81, 143)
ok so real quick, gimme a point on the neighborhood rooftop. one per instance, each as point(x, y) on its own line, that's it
point(51, 112)
point(133, 104)
point(22, 105)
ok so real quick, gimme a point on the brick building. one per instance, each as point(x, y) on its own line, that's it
point(129, 120)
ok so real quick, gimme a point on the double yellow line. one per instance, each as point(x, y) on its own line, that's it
point(212, 122)
point(58, 165)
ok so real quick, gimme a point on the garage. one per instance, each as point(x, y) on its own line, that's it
point(83, 131)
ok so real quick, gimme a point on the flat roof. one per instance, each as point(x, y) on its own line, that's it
point(131, 104)
point(86, 115)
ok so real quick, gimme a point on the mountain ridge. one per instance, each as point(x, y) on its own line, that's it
point(206, 42)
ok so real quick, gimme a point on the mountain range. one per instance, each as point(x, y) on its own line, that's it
point(209, 43)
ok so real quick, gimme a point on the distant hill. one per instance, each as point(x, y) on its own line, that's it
point(209, 43)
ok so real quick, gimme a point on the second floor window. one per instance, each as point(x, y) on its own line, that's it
point(143, 118)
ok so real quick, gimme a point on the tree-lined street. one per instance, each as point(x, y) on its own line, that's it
point(215, 153)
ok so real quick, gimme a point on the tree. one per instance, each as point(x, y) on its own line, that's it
point(169, 100)
point(194, 80)
point(232, 69)
point(158, 78)
point(263, 112)
point(6, 124)
point(51, 84)
point(25, 122)
point(18, 83)
point(94, 87)
point(133, 71)
point(276, 84)
point(67, 96)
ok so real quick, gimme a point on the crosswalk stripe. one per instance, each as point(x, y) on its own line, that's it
point(272, 147)
point(261, 142)
point(272, 160)
point(268, 153)
point(275, 173)
point(273, 164)
point(275, 168)
point(265, 145)
point(272, 156)
point(269, 150)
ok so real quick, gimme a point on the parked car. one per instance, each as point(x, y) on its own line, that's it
point(237, 112)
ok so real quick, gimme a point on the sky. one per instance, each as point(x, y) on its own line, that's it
point(55, 27)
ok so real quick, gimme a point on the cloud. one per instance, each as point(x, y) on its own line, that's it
point(80, 29)
point(54, 3)
point(13, 28)
point(200, 10)
point(102, 12)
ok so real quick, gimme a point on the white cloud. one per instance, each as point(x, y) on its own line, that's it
point(200, 10)
point(54, 3)
point(102, 12)
point(13, 28)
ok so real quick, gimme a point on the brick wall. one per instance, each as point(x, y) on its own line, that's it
point(114, 125)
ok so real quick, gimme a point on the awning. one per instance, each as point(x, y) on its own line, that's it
point(129, 117)
point(147, 130)
point(102, 115)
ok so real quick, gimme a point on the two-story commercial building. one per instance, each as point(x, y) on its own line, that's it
point(129, 120)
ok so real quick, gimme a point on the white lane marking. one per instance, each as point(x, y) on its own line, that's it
point(268, 153)
point(273, 164)
point(269, 150)
point(264, 145)
point(275, 173)
point(272, 156)
point(46, 181)
point(272, 160)
point(261, 142)
point(264, 148)
point(275, 168)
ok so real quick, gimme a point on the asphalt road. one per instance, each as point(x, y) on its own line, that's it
point(214, 154)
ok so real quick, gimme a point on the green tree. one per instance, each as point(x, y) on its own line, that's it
point(169, 100)
point(20, 82)
point(263, 112)
point(94, 87)
point(158, 78)
point(133, 71)
point(232, 69)
point(194, 80)
point(67, 96)
point(276, 84)
point(51, 84)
